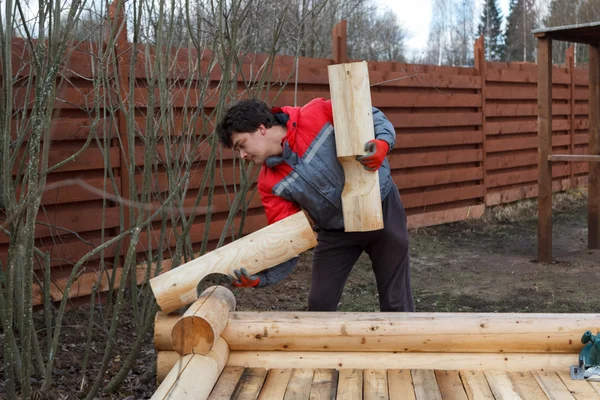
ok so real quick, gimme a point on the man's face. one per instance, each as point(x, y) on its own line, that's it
point(253, 146)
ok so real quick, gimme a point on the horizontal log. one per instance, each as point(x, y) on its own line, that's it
point(372, 360)
point(445, 216)
point(409, 332)
point(574, 158)
point(260, 250)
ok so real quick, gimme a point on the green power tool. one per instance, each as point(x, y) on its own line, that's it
point(589, 359)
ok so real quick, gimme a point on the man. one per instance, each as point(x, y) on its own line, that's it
point(300, 170)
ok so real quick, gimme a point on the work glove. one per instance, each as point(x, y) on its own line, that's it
point(243, 279)
point(376, 150)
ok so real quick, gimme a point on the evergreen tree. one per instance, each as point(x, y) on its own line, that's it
point(520, 43)
point(490, 26)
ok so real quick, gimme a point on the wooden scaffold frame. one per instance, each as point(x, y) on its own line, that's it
point(586, 34)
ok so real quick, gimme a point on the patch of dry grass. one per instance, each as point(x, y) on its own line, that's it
point(527, 209)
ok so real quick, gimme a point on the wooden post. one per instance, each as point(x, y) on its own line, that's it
point(257, 251)
point(570, 61)
point(594, 149)
point(194, 376)
point(117, 15)
point(481, 70)
point(198, 330)
point(353, 121)
point(339, 37)
point(545, 149)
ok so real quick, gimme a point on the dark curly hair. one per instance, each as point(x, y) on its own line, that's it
point(244, 116)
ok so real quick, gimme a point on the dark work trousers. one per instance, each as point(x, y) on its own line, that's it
point(337, 251)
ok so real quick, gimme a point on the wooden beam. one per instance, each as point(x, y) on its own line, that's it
point(353, 121)
point(257, 251)
point(403, 332)
point(545, 149)
point(183, 381)
point(408, 332)
point(361, 360)
point(198, 330)
point(574, 158)
point(594, 149)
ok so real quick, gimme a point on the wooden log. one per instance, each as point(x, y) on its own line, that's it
point(574, 157)
point(195, 375)
point(376, 360)
point(165, 361)
point(198, 330)
point(163, 326)
point(353, 121)
point(260, 250)
point(408, 332)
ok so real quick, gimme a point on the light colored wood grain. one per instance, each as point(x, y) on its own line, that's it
point(324, 384)
point(501, 385)
point(426, 387)
point(405, 332)
point(450, 385)
point(375, 385)
point(299, 384)
point(400, 384)
point(165, 361)
point(476, 385)
point(350, 384)
point(353, 121)
point(581, 390)
point(552, 385)
point(376, 360)
point(276, 384)
point(526, 385)
point(182, 381)
point(163, 325)
point(201, 325)
point(226, 384)
point(250, 384)
point(257, 251)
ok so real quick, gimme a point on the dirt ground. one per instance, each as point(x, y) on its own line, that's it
point(484, 265)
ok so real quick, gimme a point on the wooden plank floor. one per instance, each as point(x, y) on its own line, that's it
point(378, 384)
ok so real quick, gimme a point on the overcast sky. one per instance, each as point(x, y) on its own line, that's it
point(416, 14)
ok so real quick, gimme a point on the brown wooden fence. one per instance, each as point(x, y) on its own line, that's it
point(466, 139)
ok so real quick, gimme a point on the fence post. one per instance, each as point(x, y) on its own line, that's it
point(117, 17)
point(339, 48)
point(570, 62)
point(481, 70)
